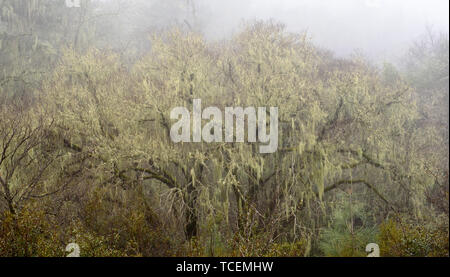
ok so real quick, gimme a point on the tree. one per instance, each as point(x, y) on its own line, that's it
point(30, 166)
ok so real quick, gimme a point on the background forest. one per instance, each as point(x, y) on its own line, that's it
point(86, 156)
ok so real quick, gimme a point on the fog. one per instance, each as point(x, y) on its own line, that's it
point(378, 28)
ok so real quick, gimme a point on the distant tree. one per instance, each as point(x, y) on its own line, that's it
point(426, 67)
point(32, 34)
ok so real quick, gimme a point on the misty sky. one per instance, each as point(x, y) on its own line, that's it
point(380, 29)
point(377, 27)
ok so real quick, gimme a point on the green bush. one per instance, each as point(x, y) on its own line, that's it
point(399, 238)
point(29, 234)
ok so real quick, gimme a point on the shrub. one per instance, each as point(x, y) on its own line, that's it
point(400, 238)
point(29, 233)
